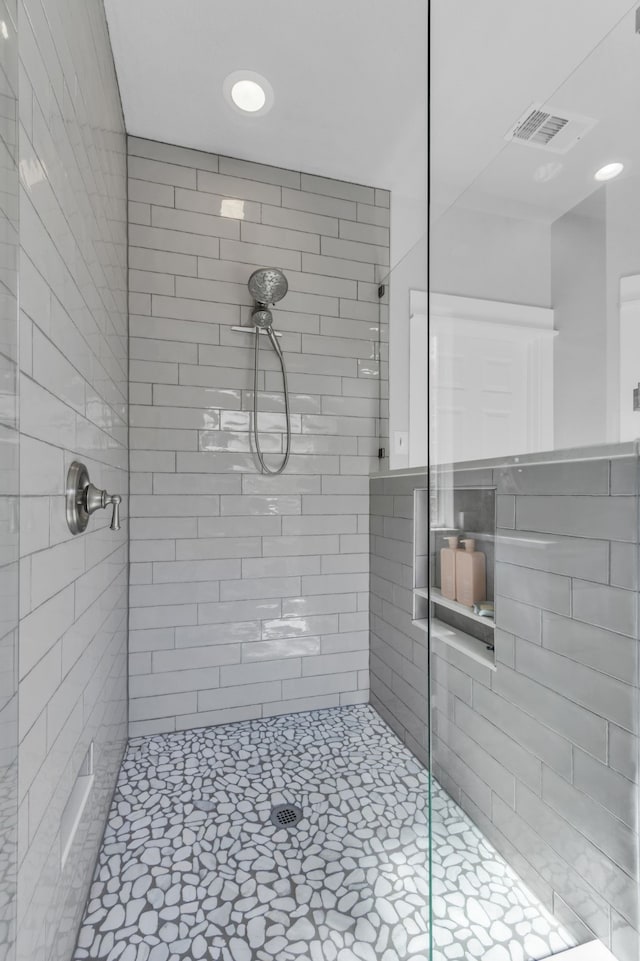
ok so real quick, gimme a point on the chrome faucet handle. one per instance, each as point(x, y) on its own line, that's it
point(96, 499)
point(83, 499)
point(116, 500)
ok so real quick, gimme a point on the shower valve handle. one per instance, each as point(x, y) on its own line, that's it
point(96, 499)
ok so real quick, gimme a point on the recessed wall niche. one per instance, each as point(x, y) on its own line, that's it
point(468, 513)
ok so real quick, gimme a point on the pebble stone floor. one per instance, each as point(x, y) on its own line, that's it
point(191, 867)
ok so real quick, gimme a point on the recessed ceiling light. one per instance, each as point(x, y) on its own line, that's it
point(609, 171)
point(248, 92)
point(248, 95)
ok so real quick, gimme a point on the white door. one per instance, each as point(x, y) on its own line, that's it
point(629, 356)
point(479, 396)
point(491, 369)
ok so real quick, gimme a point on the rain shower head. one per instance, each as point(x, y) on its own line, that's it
point(268, 285)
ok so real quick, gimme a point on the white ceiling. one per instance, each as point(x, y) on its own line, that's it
point(350, 82)
point(349, 76)
point(491, 61)
point(605, 87)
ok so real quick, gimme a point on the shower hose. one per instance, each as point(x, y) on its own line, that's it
point(256, 357)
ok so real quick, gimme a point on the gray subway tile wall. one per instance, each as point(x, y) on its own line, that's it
point(543, 752)
point(10, 483)
point(249, 593)
point(73, 399)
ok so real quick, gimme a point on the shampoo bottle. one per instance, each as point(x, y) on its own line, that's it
point(448, 568)
point(471, 577)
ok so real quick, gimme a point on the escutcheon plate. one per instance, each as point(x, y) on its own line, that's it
point(77, 482)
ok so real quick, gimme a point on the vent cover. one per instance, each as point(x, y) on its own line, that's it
point(548, 129)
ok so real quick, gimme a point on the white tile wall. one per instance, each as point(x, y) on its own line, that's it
point(249, 592)
point(73, 398)
point(9, 479)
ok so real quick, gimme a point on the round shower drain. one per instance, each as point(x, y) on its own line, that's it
point(285, 815)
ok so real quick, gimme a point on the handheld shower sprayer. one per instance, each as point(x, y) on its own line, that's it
point(267, 286)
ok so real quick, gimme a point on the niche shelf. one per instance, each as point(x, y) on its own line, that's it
point(467, 644)
point(436, 597)
point(452, 623)
point(74, 808)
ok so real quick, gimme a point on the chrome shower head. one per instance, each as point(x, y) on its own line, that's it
point(268, 285)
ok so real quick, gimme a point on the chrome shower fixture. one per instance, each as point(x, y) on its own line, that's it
point(267, 286)
point(83, 499)
point(262, 317)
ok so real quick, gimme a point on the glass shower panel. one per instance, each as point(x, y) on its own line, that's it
point(535, 705)
point(534, 293)
point(399, 675)
point(535, 270)
point(380, 366)
point(8, 476)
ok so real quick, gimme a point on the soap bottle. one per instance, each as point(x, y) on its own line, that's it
point(471, 577)
point(448, 568)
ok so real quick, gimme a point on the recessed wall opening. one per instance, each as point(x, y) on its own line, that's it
point(458, 517)
point(75, 806)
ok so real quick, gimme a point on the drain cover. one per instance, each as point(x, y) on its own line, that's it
point(285, 815)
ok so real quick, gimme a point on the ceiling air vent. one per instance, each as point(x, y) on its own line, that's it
point(548, 129)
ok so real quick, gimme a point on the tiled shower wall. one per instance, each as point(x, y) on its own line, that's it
point(249, 593)
point(73, 396)
point(543, 752)
point(9, 479)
